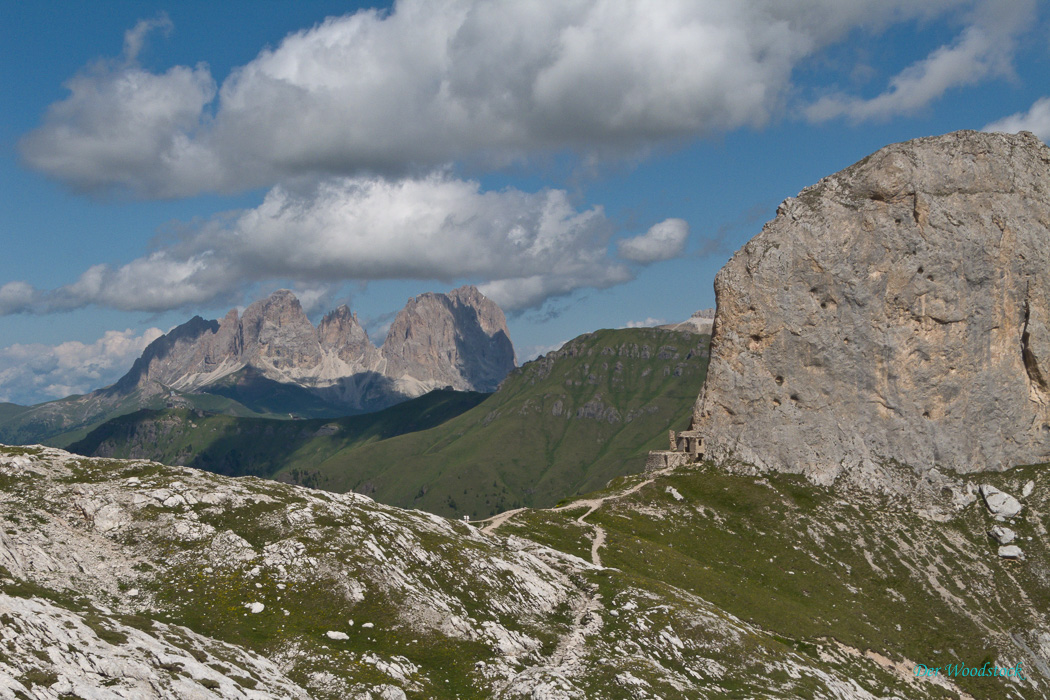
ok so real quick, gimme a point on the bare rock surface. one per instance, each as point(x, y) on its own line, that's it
point(1002, 505)
point(896, 310)
point(459, 339)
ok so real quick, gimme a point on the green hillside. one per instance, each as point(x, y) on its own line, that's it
point(832, 571)
point(245, 393)
point(563, 424)
point(238, 446)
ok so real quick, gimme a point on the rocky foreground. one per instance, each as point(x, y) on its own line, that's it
point(129, 579)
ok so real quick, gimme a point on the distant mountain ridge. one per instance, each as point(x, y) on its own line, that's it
point(457, 340)
point(272, 360)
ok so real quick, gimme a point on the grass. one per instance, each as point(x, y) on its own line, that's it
point(748, 546)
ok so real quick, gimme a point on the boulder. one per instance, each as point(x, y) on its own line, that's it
point(1002, 535)
point(1002, 505)
point(1011, 552)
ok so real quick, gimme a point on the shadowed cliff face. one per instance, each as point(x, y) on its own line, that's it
point(458, 340)
point(895, 310)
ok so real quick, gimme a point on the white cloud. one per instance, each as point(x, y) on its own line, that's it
point(31, 373)
point(16, 297)
point(647, 323)
point(533, 352)
point(520, 247)
point(1036, 120)
point(663, 241)
point(122, 124)
point(433, 82)
point(983, 50)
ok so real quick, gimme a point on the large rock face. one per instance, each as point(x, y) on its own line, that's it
point(459, 340)
point(897, 310)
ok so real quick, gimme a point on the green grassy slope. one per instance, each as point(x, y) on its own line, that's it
point(563, 424)
point(820, 567)
point(238, 446)
point(10, 410)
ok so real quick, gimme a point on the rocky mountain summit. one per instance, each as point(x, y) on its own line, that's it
point(458, 340)
point(272, 360)
point(896, 310)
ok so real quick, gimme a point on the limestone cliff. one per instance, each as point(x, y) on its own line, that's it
point(897, 310)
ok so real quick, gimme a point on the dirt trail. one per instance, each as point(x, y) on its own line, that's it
point(592, 504)
point(497, 520)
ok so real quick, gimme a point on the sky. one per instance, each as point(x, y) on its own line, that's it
point(586, 163)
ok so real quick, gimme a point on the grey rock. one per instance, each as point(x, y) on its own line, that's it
point(888, 312)
point(1002, 505)
point(1011, 552)
point(459, 339)
point(1026, 491)
point(1002, 535)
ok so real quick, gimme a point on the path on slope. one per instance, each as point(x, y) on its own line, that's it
point(591, 504)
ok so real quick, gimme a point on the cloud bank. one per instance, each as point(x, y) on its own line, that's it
point(31, 373)
point(1036, 120)
point(430, 83)
point(521, 247)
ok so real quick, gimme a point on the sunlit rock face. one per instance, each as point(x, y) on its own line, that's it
point(896, 310)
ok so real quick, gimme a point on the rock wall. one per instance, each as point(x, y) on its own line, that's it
point(897, 310)
point(459, 339)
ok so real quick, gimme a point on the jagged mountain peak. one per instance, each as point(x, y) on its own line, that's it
point(459, 339)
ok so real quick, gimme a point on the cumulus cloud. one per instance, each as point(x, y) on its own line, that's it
point(983, 50)
point(430, 83)
point(31, 373)
point(663, 241)
point(520, 247)
point(17, 297)
point(124, 124)
point(1036, 120)
point(647, 323)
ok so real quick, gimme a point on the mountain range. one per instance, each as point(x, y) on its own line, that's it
point(271, 360)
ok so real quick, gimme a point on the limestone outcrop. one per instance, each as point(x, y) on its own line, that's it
point(896, 310)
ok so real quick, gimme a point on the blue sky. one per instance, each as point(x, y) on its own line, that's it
point(588, 164)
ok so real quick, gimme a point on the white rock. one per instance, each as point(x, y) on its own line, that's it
point(390, 692)
point(110, 517)
point(174, 500)
point(133, 593)
point(1011, 552)
point(1002, 505)
point(256, 607)
point(674, 493)
point(1027, 490)
point(367, 625)
point(1002, 535)
point(336, 635)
